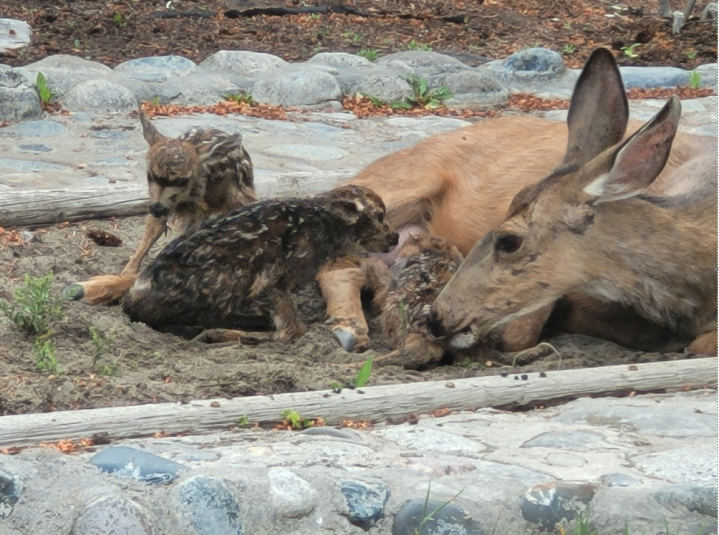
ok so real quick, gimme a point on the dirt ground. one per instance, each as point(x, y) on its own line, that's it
point(156, 367)
point(476, 31)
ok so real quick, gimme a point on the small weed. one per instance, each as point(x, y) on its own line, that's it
point(567, 25)
point(76, 43)
point(241, 98)
point(422, 96)
point(388, 40)
point(694, 79)
point(318, 48)
point(71, 23)
point(45, 359)
point(293, 418)
point(691, 54)
point(376, 101)
point(356, 37)
point(464, 364)
point(34, 308)
point(568, 49)
point(46, 94)
point(314, 16)
point(243, 421)
point(336, 387)
point(629, 50)
point(104, 344)
point(362, 375)
point(118, 20)
point(155, 101)
point(427, 517)
point(413, 45)
point(369, 53)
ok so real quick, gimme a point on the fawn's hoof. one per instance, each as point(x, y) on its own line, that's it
point(349, 339)
point(74, 292)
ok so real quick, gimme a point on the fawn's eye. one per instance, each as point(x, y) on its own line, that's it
point(507, 243)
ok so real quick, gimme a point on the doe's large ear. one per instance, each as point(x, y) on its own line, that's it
point(599, 111)
point(150, 133)
point(640, 159)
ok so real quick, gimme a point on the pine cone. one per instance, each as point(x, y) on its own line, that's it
point(103, 238)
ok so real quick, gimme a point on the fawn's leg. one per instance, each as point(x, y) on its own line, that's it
point(705, 344)
point(109, 289)
point(341, 282)
point(417, 352)
point(154, 228)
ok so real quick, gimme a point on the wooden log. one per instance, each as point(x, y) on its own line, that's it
point(376, 403)
point(48, 207)
point(14, 35)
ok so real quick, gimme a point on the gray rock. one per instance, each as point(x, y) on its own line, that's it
point(99, 95)
point(247, 64)
point(699, 498)
point(681, 465)
point(474, 90)
point(310, 153)
point(425, 64)
point(10, 493)
point(156, 68)
point(420, 438)
point(140, 465)
point(384, 84)
point(63, 71)
point(207, 506)
point(116, 515)
point(28, 165)
point(291, 495)
point(619, 480)
point(449, 520)
point(340, 60)
point(529, 70)
point(651, 77)
point(708, 74)
point(197, 89)
point(35, 129)
point(18, 98)
point(293, 87)
point(564, 440)
point(34, 148)
point(547, 504)
point(364, 502)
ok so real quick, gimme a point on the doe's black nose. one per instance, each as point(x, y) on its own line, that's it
point(435, 326)
point(158, 211)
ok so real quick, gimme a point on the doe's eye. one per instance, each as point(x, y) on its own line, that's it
point(507, 243)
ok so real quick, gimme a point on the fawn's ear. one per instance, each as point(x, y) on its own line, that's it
point(349, 210)
point(599, 111)
point(151, 134)
point(640, 159)
point(214, 151)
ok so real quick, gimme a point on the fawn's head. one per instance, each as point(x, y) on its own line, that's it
point(176, 169)
point(544, 247)
point(363, 212)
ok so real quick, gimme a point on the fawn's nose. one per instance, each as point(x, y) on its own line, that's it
point(158, 210)
point(435, 325)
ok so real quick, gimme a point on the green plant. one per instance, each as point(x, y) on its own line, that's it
point(46, 94)
point(243, 421)
point(369, 53)
point(691, 54)
point(314, 16)
point(363, 374)
point(567, 25)
point(155, 101)
point(76, 43)
point(34, 308)
point(103, 345)
point(568, 49)
point(413, 45)
point(427, 517)
point(45, 359)
point(118, 20)
point(356, 37)
point(295, 420)
point(336, 387)
point(241, 98)
point(422, 96)
point(694, 79)
point(71, 23)
point(629, 50)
